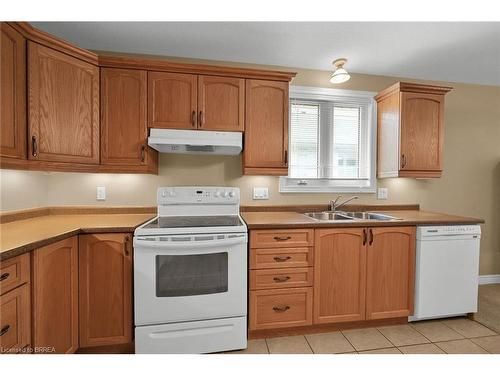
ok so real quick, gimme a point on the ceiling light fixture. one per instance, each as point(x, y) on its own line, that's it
point(339, 75)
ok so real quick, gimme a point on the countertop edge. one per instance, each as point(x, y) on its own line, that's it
point(23, 249)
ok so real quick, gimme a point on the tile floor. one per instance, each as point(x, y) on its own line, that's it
point(451, 336)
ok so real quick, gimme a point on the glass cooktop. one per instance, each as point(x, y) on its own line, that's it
point(194, 221)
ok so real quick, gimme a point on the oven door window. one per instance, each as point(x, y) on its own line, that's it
point(191, 275)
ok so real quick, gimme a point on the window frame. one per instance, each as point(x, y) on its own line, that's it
point(327, 185)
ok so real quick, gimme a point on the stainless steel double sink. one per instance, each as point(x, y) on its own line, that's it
point(348, 216)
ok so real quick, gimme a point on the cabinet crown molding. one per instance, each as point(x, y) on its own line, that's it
point(412, 87)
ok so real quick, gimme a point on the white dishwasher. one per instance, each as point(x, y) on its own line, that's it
point(447, 271)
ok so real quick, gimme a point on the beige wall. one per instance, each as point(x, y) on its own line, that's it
point(470, 184)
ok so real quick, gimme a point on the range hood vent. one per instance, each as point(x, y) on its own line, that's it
point(195, 142)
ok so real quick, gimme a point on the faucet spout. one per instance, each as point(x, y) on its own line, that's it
point(334, 205)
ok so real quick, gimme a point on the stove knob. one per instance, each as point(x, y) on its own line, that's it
point(231, 194)
point(171, 193)
point(217, 194)
point(224, 194)
point(163, 193)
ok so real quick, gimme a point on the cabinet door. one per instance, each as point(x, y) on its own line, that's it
point(55, 296)
point(105, 289)
point(390, 272)
point(13, 94)
point(63, 107)
point(421, 131)
point(172, 100)
point(221, 103)
point(15, 317)
point(266, 128)
point(339, 275)
point(124, 130)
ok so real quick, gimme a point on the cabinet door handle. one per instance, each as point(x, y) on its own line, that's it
point(281, 279)
point(193, 119)
point(34, 146)
point(201, 118)
point(364, 236)
point(403, 161)
point(371, 237)
point(282, 259)
point(4, 330)
point(286, 158)
point(143, 153)
point(126, 246)
point(281, 308)
point(277, 238)
point(4, 276)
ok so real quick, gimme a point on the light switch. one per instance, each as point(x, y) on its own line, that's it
point(260, 193)
point(382, 193)
point(101, 193)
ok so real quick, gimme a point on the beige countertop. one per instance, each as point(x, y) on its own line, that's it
point(21, 236)
point(280, 220)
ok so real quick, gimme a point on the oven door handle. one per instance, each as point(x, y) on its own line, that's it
point(169, 245)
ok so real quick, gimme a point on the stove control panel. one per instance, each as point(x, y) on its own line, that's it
point(198, 195)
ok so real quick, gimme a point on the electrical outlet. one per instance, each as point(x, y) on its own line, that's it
point(382, 193)
point(101, 193)
point(260, 193)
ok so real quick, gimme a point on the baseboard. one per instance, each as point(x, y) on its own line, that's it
point(489, 279)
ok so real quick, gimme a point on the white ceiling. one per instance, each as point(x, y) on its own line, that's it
point(445, 51)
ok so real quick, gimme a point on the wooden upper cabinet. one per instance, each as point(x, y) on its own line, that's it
point(124, 129)
point(421, 131)
point(55, 296)
point(266, 128)
point(105, 263)
point(339, 275)
point(13, 93)
point(172, 100)
point(390, 272)
point(63, 107)
point(221, 103)
point(410, 130)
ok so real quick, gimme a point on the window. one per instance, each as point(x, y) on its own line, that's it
point(332, 141)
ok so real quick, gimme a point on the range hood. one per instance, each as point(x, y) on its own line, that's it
point(195, 142)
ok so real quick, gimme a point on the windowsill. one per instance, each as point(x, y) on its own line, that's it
point(290, 185)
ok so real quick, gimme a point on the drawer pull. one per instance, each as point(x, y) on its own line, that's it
point(282, 259)
point(280, 309)
point(4, 330)
point(4, 276)
point(281, 279)
point(277, 238)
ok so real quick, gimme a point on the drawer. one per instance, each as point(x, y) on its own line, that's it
point(281, 278)
point(280, 308)
point(281, 238)
point(281, 258)
point(14, 272)
point(15, 320)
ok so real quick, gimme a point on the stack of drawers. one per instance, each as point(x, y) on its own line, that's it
point(281, 278)
point(15, 328)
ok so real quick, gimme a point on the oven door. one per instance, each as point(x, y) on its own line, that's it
point(181, 278)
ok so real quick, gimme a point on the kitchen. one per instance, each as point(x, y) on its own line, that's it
point(193, 206)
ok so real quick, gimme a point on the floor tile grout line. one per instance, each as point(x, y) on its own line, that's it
point(350, 343)
point(386, 337)
point(267, 346)
point(309, 344)
point(433, 342)
point(478, 344)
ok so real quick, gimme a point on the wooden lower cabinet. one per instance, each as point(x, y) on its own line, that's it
point(279, 308)
point(55, 297)
point(105, 289)
point(390, 272)
point(359, 274)
point(15, 323)
point(340, 275)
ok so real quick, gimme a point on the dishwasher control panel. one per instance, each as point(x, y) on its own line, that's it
point(447, 230)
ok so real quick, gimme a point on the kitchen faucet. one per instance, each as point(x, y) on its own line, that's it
point(334, 205)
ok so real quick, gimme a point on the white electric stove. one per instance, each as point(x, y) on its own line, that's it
point(190, 273)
